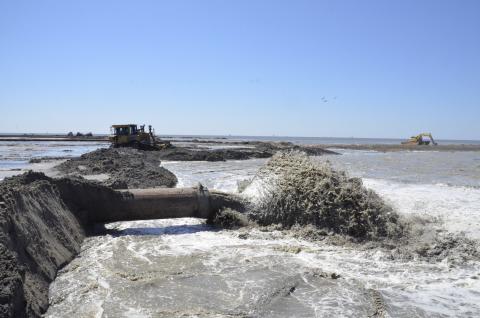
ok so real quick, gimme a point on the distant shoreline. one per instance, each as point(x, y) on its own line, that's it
point(366, 144)
point(48, 137)
point(400, 147)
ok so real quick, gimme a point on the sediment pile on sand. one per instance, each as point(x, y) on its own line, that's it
point(251, 150)
point(43, 222)
point(293, 190)
point(38, 234)
point(313, 201)
point(124, 168)
point(228, 218)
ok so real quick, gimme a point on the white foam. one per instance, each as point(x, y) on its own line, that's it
point(456, 207)
point(408, 287)
point(436, 289)
point(223, 176)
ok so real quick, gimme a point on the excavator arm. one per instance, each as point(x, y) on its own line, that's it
point(433, 140)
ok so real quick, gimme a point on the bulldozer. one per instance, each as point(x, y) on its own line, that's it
point(420, 139)
point(130, 135)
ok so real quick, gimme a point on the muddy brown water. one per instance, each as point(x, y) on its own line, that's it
point(172, 268)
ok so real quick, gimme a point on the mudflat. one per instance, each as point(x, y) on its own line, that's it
point(400, 147)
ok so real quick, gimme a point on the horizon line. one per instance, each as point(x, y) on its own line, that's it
point(231, 135)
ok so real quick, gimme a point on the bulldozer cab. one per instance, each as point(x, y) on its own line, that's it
point(124, 130)
point(130, 135)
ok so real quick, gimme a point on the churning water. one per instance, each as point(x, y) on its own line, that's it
point(184, 268)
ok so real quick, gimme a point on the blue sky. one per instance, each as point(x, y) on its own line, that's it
point(298, 68)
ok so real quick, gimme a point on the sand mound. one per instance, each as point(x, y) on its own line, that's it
point(293, 190)
point(230, 219)
point(251, 149)
point(42, 224)
point(38, 234)
point(124, 167)
point(43, 221)
point(315, 202)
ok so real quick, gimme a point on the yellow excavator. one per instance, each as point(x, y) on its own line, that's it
point(421, 139)
point(129, 135)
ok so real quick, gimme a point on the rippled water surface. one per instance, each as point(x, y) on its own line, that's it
point(426, 167)
point(15, 156)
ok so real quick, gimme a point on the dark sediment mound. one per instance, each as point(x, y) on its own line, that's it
point(230, 219)
point(43, 221)
point(274, 147)
point(132, 168)
point(125, 167)
point(39, 234)
point(46, 159)
point(251, 150)
point(315, 202)
point(294, 191)
point(187, 154)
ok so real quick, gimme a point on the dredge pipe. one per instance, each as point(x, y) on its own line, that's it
point(164, 203)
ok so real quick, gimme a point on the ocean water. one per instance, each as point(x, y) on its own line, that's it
point(443, 185)
point(185, 268)
point(15, 156)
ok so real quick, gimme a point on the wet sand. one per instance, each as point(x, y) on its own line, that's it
point(220, 141)
point(208, 143)
point(46, 166)
point(392, 148)
point(40, 137)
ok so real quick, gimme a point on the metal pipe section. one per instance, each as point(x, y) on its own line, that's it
point(157, 203)
point(168, 203)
